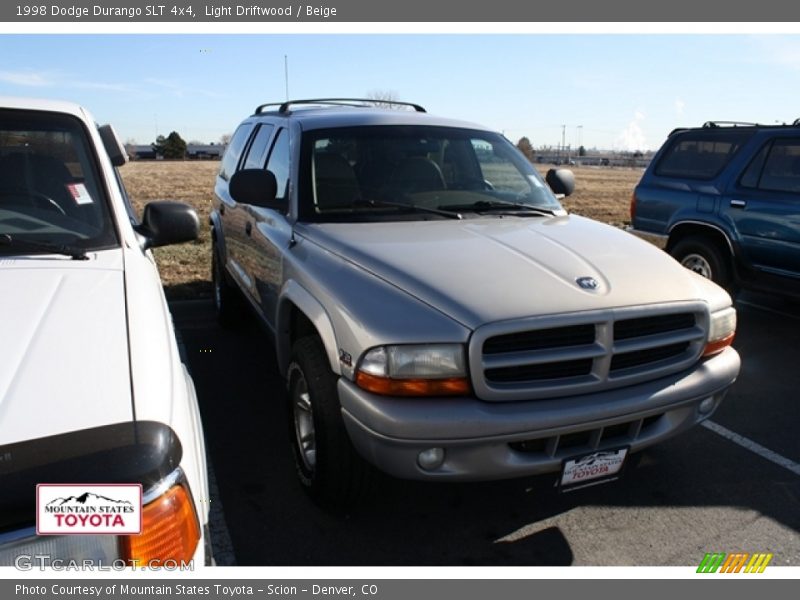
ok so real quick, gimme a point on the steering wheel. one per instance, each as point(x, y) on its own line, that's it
point(42, 200)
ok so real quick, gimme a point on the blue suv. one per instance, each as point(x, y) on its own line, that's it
point(724, 200)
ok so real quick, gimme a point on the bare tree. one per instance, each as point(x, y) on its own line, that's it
point(225, 139)
point(130, 148)
point(385, 98)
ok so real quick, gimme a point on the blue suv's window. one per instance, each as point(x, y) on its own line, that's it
point(700, 154)
point(776, 168)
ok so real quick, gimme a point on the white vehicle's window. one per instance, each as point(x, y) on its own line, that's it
point(49, 188)
point(364, 171)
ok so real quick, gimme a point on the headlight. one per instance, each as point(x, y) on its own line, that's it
point(721, 331)
point(414, 370)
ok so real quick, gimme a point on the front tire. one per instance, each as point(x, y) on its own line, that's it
point(328, 467)
point(227, 302)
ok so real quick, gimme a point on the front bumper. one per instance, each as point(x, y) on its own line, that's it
point(498, 440)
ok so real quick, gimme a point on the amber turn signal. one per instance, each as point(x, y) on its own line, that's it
point(718, 346)
point(386, 386)
point(170, 530)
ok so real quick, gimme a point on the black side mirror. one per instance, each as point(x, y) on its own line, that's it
point(165, 222)
point(561, 181)
point(255, 186)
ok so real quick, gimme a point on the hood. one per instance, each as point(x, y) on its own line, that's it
point(64, 351)
point(491, 269)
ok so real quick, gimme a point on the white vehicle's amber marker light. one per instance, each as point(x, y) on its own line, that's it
point(414, 370)
point(170, 530)
point(722, 330)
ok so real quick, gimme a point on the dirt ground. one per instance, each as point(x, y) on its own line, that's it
point(601, 193)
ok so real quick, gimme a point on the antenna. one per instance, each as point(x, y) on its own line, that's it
point(286, 74)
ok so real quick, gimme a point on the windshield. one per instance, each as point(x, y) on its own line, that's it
point(418, 172)
point(49, 189)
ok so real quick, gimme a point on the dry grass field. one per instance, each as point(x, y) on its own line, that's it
point(601, 193)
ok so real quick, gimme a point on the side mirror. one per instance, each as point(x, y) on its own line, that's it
point(114, 148)
point(165, 222)
point(255, 186)
point(561, 181)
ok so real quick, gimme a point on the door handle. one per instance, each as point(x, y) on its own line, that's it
point(248, 228)
point(738, 203)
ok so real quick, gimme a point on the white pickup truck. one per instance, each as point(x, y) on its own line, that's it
point(92, 388)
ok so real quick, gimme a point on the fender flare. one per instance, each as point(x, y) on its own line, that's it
point(717, 228)
point(295, 295)
point(215, 223)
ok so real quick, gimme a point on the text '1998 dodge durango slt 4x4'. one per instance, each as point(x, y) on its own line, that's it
point(439, 315)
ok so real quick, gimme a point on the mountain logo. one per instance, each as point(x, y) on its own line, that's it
point(87, 499)
point(114, 509)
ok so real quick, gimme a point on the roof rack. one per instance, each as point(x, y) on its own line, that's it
point(283, 107)
point(712, 124)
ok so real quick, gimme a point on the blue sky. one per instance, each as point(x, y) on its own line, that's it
point(613, 91)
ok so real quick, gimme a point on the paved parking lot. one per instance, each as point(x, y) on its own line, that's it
point(733, 485)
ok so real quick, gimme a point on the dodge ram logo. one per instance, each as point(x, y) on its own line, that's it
point(587, 283)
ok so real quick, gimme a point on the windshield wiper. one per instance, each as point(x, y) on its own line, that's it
point(72, 251)
point(415, 207)
point(485, 206)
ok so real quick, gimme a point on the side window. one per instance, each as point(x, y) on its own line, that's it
point(234, 150)
point(781, 172)
point(279, 164)
point(498, 170)
point(752, 174)
point(258, 149)
point(700, 154)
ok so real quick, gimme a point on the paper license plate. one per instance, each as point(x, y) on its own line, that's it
point(591, 468)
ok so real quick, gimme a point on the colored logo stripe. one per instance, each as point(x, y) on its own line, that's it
point(711, 562)
point(758, 563)
point(734, 563)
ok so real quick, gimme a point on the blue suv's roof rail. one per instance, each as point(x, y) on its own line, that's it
point(283, 107)
point(712, 124)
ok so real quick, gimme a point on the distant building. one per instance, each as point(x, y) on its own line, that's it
point(204, 151)
point(193, 152)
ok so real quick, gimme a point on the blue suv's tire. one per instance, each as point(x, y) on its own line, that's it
point(704, 257)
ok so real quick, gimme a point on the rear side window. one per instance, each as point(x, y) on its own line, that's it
point(279, 164)
point(258, 149)
point(234, 151)
point(776, 168)
point(700, 154)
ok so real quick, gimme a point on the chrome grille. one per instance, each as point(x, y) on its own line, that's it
point(562, 355)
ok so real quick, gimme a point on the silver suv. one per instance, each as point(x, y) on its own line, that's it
point(439, 315)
